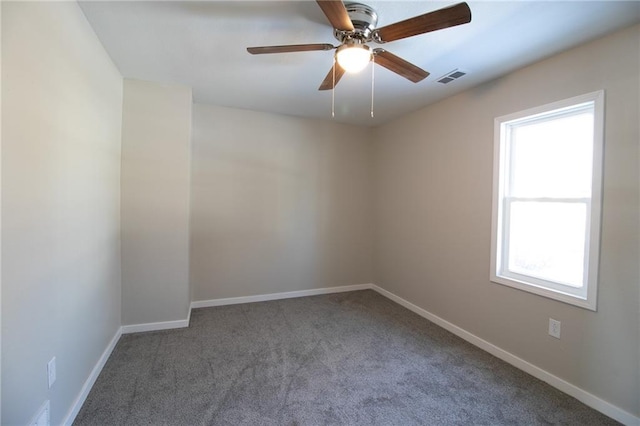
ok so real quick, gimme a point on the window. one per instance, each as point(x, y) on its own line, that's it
point(546, 199)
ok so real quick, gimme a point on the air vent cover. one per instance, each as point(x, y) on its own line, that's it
point(452, 75)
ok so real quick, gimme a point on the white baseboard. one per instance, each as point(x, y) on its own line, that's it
point(155, 326)
point(88, 384)
point(591, 400)
point(277, 296)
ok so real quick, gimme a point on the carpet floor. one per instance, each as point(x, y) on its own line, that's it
point(352, 358)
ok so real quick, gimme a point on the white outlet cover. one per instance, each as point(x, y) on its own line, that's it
point(554, 328)
point(43, 418)
point(51, 371)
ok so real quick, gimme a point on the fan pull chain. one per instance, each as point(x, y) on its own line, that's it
point(333, 91)
point(373, 67)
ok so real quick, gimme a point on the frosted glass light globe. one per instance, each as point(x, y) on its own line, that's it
point(353, 58)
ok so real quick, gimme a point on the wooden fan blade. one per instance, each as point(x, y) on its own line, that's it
point(327, 84)
point(337, 14)
point(443, 18)
point(289, 48)
point(399, 65)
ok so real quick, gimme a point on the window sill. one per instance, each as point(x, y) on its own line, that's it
point(545, 292)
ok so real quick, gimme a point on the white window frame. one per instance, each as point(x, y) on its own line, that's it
point(586, 297)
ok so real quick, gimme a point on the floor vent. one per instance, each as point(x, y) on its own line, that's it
point(452, 75)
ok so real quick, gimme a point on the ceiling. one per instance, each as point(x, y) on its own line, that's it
point(202, 45)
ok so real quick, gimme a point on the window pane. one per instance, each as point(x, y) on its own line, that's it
point(552, 157)
point(546, 240)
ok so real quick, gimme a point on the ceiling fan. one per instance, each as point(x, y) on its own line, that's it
point(354, 25)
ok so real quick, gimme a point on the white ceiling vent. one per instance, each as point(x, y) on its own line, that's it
point(452, 75)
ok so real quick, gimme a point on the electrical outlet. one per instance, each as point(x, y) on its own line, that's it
point(51, 371)
point(43, 417)
point(554, 328)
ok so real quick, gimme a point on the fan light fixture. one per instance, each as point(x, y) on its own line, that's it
point(353, 57)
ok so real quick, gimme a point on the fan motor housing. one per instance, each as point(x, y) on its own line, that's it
point(364, 19)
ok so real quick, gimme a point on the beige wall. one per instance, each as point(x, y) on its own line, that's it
point(61, 116)
point(433, 183)
point(278, 204)
point(156, 137)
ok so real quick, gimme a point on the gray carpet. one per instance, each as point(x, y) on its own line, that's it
point(346, 359)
